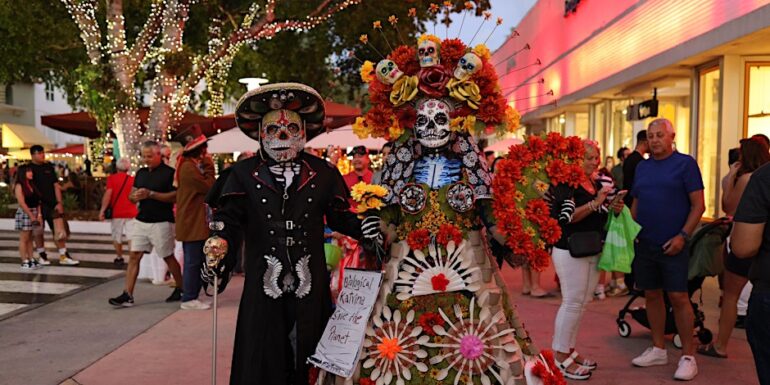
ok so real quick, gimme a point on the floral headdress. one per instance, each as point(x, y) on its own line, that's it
point(461, 74)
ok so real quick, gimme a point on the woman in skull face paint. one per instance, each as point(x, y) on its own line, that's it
point(278, 201)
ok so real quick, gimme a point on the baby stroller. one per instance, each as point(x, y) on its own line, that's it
point(705, 261)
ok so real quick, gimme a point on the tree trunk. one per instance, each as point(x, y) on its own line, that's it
point(126, 128)
point(161, 119)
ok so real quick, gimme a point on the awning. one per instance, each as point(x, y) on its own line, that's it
point(77, 149)
point(82, 124)
point(20, 136)
point(344, 137)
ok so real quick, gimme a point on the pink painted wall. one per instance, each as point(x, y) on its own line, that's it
point(602, 38)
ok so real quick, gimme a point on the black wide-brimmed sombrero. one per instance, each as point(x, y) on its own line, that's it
point(296, 97)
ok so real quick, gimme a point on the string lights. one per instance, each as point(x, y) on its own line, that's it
point(173, 85)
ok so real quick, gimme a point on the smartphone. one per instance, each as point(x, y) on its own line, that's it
point(618, 197)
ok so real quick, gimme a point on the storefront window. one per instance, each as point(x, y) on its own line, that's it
point(758, 104)
point(556, 124)
point(581, 125)
point(708, 136)
point(621, 130)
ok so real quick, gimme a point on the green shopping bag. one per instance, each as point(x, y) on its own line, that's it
point(618, 251)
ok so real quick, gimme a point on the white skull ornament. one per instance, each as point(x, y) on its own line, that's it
point(387, 71)
point(283, 135)
point(428, 51)
point(468, 65)
point(432, 126)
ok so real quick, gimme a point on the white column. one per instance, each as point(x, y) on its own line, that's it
point(569, 125)
point(731, 119)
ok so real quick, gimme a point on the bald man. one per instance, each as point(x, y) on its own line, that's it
point(668, 204)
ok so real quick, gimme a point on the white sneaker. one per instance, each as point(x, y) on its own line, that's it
point(195, 305)
point(651, 357)
point(687, 369)
point(67, 261)
point(42, 262)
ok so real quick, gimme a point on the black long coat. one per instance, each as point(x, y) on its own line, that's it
point(250, 201)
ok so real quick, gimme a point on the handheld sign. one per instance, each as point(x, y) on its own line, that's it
point(340, 345)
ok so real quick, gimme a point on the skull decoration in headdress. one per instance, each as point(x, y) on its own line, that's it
point(282, 117)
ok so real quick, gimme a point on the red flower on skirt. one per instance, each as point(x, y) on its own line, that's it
point(428, 320)
point(439, 282)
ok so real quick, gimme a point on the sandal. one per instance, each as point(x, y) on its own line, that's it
point(581, 373)
point(547, 294)
point(711, 351)
point(590, 365)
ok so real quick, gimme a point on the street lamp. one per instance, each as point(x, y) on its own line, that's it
point(252, 83)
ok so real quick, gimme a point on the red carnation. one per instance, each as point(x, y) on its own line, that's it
point(439, 282)
point(451, 52)
point(558, 171)
point(428, 320)
point(418, 239)
point(379, 93)
point(407, 116)
point(448, 232)
point(492, 110)
point(486, 79)
point(536, 146)
point(520, 153)
point(378, 117)
point(575, 148)
point(537, 211)
point(575, 174)
point(550, 232)
point(405, 58)
point(556, 143)
point(433, 80)
point(366, 381)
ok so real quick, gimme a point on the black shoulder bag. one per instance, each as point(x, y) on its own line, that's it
point(585, 244)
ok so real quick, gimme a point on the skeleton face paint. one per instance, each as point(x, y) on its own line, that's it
point(427, 50)
point(387, 71)
point(468, 65)
point(283, 135)
point(432, 126)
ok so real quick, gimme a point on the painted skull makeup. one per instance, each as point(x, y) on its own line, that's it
point(283, 135)
point(387, 71)
point(428, 51)
point(432, 125)
point(468, 65)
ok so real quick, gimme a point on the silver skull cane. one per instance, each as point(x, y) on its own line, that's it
point(215, 249)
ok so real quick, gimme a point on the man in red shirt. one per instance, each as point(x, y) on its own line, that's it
point(361, 171)
point(123, 211)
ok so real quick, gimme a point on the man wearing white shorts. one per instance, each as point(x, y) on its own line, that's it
point(153, 228)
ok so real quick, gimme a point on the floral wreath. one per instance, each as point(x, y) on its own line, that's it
point(479, 105)
point(520, 183)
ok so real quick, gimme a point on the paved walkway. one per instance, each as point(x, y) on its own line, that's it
point(177, 349)
point(80, 339)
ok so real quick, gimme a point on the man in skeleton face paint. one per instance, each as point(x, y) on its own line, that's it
point(277, 201)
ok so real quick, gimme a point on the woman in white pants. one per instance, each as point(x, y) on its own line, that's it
point(580, 211)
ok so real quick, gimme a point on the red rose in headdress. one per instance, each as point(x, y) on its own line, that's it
point(433, 81)
point(405, 58)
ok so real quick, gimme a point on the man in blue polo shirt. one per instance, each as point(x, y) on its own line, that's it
point(668, 204)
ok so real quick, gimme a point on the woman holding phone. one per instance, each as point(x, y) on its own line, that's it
point(582, 214)
point(28, 215)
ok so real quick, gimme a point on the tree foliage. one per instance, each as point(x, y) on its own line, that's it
point(41, 43)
